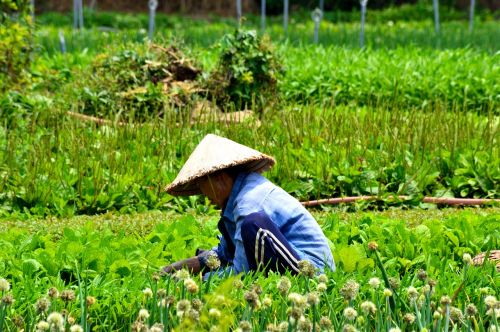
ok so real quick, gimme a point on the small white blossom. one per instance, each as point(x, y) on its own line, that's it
point(4, 285)
point(409, 318)
point(42, 326)
point(213, 261)
point(321, 287)
point(283, 326)
point(214, 313)
point(76, 328)
point(368, 308)
point(467, 259)
point(445, 300)
point(350, 313)
point(181, 274)
point(191, 285)
point(412, 293)
point(471, 310)
point(284, 285)
point(350, 290)
point(426, 290)
point(490, 301)
point(183, 306)
point(297, 300)
point(374, 282)
point(304, 324)
point(148, 293)
point(313, 298)
point(492, 311)
point(143, 315)
point(437, 315)
point(267, 302)
point(349, 328)
point(56, 321)
point(156, 328)
point(322, 278)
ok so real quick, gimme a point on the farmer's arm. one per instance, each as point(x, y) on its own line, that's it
point(198, 263)
point(193, 265)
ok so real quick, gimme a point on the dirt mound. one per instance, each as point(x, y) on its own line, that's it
point(138, 82)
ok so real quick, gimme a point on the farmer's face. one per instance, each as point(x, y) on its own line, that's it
point(217, 187)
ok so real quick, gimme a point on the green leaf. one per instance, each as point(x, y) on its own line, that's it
point(452, 237)
point(30, 266)
point(350, 256)
point(121, 267)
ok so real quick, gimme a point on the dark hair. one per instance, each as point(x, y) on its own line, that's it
point(231, 171)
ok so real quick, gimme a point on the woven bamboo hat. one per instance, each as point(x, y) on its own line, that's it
point(215, 153)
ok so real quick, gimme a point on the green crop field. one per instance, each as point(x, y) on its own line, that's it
point(112, 260)
point(96, 122)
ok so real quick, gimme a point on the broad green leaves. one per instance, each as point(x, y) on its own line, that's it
point(115, 256)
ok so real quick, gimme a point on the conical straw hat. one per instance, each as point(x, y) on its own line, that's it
point(215, 153)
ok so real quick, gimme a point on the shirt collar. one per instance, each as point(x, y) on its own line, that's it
point(238, 182)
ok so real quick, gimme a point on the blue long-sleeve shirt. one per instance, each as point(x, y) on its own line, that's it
point(251, 193)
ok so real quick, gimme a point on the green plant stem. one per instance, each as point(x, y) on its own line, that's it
point(207, 286)
point(438, 325)
point(315, 318)
point(83, 298)
point(389, 312)
point(417, 313)
point(391, 301)
point(447, 318)
point(495, 319)
point(152, 317)
point(2, 313)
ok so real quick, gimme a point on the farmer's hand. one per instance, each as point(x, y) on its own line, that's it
point(192, 264)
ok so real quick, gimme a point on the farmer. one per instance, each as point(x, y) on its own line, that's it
point(261, 225)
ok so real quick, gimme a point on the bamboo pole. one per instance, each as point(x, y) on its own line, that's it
point(222, 118)
point(433, 200)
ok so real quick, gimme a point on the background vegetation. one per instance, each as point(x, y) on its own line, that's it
point(413, 113)
point(415, 120)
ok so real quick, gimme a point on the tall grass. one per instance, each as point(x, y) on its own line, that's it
point(56, 164)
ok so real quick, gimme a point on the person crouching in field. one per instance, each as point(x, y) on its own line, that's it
point(262, 226)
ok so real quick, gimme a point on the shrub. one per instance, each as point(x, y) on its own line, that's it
point(247, 71)
point(15, 43)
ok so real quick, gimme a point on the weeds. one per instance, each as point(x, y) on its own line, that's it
point(57, 165)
